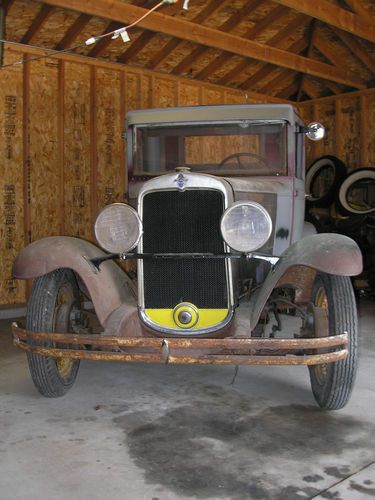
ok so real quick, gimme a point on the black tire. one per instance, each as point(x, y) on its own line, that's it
point(327, 171)
point(332, 383)
point(52, 299)
point(363, 179)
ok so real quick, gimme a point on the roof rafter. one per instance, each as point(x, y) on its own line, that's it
point(125, 13)
point(288, 91)
point(355, 47)
point(173, 44)
point(74, 30)
point(231, 23)
point(283, 76)
point(336, 16)
point(263, 72)
point(273, 42)
point(37, 23)
point(250, 33)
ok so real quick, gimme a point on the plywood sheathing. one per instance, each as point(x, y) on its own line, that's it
point(349, 134)
point(11, 180)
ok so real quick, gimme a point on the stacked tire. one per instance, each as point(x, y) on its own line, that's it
point(344, 202)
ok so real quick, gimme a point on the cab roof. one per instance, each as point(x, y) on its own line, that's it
point(202, 114)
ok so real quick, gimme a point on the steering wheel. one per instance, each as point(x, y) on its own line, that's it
point(260, 160)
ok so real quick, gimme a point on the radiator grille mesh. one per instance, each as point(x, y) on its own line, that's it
point(178, 222)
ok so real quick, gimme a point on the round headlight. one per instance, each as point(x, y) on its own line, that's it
point(118, 228)
point(246, 226)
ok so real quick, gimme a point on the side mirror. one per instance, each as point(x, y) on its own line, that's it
point(315, 131)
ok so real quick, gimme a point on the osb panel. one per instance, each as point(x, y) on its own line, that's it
point(19, 18)
point(235, 97)
point(325, 113)
point(348, 129)
point(77, 216)
point(369, 141)
point(212, 96)
point(132, 90)
point(44, 171)
point(109, 125)
point(164, 93)
point(188, 94)
point(11, 180)
point(54, 28)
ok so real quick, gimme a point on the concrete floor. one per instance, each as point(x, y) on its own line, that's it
point(155, 432)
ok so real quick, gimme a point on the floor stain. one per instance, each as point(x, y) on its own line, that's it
point(338, 472)
point(314, 478)
point(362, 489)
point(216, 445)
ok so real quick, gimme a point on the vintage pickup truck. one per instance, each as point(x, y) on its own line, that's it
point(215, 222)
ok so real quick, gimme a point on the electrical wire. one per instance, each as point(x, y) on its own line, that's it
point(90, 41)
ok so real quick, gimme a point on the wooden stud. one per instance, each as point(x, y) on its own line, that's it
point(93, 147)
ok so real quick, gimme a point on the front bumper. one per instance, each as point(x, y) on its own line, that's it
point(224, 351)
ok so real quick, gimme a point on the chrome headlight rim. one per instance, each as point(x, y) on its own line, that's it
point(115, 248)
point(227, 214)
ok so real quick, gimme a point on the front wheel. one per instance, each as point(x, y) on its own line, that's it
point(332, 383)
point(54, 297)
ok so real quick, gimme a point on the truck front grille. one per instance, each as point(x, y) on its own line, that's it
point(183, 222)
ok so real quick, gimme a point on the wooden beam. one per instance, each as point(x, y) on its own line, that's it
point(250, 33)
point(336, 16)
point(173, 43)
point(275, 41)
point(37, 23)
point(125, 13)
point(358, 8)
point(231, 23)
point(74, 30)
point(356, 48)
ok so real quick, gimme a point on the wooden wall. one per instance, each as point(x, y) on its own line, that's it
point(62, 156)
point(350, 134)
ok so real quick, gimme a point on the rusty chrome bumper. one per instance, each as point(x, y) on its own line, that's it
point(236, 351)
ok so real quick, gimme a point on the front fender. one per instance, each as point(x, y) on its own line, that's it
point(324, 252)
point(108, 287)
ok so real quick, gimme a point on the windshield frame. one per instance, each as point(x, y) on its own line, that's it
point(135, 129)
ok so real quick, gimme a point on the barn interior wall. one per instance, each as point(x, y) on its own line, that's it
point(62, 153)
point(348, 120)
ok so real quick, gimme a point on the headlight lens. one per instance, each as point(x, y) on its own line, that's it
point(246, 226)
point(118, 228)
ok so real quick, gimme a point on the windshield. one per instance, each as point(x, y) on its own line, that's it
point(241, 148)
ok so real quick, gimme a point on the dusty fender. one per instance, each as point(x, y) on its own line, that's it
point(108, 287)
point(325, 252)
